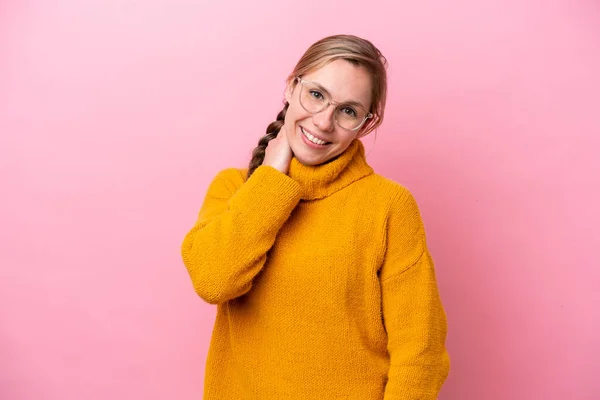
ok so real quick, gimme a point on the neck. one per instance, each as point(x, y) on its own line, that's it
point(322, 180)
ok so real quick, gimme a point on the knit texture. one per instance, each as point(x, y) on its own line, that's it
point(324, 286)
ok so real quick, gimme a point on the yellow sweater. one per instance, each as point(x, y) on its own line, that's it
point(324, 285)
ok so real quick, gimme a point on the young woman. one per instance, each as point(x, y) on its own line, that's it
point(319, 267)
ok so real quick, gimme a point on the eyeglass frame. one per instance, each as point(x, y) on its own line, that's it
point(329, 103)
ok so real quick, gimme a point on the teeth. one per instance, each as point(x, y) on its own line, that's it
point(312, 138)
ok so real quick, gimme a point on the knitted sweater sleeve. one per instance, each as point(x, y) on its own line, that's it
point(236, 226)
point(413, 315)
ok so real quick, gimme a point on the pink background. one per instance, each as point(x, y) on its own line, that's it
point(115, 115)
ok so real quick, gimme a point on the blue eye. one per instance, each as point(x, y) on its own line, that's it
point(317, 95)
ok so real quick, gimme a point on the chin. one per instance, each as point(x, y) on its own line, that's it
point(306, 155)
point(308, 160)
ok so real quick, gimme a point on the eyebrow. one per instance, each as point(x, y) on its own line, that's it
point(350, 102)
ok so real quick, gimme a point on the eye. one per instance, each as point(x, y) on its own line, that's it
point(316, 94)
point(349, 111)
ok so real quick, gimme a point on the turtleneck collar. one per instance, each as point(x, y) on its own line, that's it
point(320, 181)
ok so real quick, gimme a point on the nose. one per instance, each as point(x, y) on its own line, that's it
point(324, 120)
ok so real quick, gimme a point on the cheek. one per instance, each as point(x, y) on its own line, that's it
point(295, 114)
point(291, 118)
point(345, 143)
point(288, 123)
point(289, 126)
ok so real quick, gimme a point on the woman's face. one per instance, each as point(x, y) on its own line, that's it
point(343, 82)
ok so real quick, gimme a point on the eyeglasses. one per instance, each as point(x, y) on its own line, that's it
point(314, 99)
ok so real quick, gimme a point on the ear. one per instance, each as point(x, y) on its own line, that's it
point(289, 90)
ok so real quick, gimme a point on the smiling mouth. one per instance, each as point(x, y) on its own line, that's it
point(313, 139)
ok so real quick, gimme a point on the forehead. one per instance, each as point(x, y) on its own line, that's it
point(344, 81)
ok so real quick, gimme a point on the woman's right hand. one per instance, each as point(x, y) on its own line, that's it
point(279, 153)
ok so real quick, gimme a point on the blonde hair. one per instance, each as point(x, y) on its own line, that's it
point(357, 51)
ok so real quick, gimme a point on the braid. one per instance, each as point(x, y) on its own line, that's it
point(258, 154)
